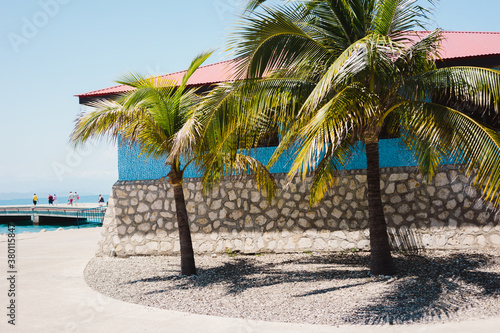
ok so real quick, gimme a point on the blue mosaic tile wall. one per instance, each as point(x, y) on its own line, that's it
point(134, 167)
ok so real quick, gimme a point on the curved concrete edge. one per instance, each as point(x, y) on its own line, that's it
point(52, 296)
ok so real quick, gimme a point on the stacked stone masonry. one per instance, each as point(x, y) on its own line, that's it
point(444, 214)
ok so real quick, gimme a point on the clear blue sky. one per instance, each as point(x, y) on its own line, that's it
point(54, 49)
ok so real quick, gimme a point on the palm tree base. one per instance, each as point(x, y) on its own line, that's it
point(382, 264)
point(188, 266)
point(380, 259)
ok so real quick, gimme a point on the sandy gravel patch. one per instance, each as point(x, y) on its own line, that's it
point(314, 288)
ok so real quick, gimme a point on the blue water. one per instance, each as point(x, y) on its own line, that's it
point(26, 226)
point(37, 228)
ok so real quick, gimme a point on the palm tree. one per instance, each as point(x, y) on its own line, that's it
point(328, 74)
point(166, 120)
point(158, 116)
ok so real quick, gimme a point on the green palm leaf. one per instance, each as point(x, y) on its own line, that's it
point(438, 131)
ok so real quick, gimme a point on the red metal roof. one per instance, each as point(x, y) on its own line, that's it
point(210, 74)
point(466, 44)
point(455, 45)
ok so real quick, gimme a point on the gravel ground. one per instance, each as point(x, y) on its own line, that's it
point(314, 288)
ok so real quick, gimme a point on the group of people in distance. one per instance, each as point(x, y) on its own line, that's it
point(72, 199)
point(52, 199)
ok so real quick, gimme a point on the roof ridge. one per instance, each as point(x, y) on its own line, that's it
point(204, 66)
point(118, 85)
point(158, 76)
point(472, 32)
point(456, 31)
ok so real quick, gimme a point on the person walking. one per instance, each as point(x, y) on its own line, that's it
point(71, 197)
point(35, 199)
point(77, 197)
point(51, 200)
point(54, 199)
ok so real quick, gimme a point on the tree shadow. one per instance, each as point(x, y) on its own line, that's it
point(245, 272)
point(404, 240)
point(426, 287)
point(431, 288)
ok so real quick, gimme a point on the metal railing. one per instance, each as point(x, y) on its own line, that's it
point(90, 215)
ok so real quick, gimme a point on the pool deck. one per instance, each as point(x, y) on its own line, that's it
point(52, 296)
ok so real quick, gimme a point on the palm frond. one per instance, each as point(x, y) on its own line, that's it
point(107, 119)
point(325, 176)
point(238, 165)
point(345, 114)
point(352, 61)
point(150, 138)
point(253, 4)
point(158, 115)
point(348, 21)
point(420, 56)
point(275, 39)
point(477, 86)
point(195, 64)
point(443, 131)
point(396, 17)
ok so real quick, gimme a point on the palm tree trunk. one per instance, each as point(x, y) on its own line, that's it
point(380, 260)
point(188, 266)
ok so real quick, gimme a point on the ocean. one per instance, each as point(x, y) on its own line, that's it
point(19, 229)
point(28, 227)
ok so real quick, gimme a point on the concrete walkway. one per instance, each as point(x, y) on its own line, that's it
point(52, 296)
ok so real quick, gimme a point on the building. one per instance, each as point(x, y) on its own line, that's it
point(141, 215)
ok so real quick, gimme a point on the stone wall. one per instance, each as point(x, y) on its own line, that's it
point(445, 214)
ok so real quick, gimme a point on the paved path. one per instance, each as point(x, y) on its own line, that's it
point(52, 296)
